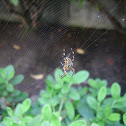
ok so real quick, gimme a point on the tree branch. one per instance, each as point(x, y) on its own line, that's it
point(38, 9)
point(116, 24)
point(41, 7)
point(11, 9)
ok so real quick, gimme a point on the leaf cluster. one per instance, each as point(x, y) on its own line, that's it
point(65, 102)
point(8, 81)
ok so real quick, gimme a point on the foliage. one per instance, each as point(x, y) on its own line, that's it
point(66, 103)
point(97, 104)
point(18, 117)
point(7, 86)
point(60, 93)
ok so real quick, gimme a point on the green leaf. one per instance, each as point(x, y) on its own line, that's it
point(70, 110)
point(10, 87)
point(17, 79)
point(55, 120)
point(21, 97)
point(49, 89)
point(9, 70)
point(114, 117)
point(46, 123)
point(55, 100)
point(115, 90)
point(2, 73)
point(18, 110)
point(8, 121)
point(92, 83)
point(101, 123)
point(84, 110)
point(83, 91)
point(57, 74)
point(46, 113)
point(2, 80)
point(94, 124)
point(102, 94)
point(5, 93)
point(65, 89)
point(78, 123)
point(15, 2)
point(68, 78)
point(77, 117)
point(94, 92)
point(26, 105)
point(74, 95)
point(120, 104)
point(9, 111)
point(124, 118)
point(58, 86)
point(44, 100)
point(16, 119)
point(50, 81)
point(16, 92)
point(100, 114)
point(57, 114)
point(80, 76)
point(92, 102)
point(2, 76)
point(43, 93)
point(103, 83)
point(27, 119)
point(107, 110)
point(10, 99)
point(36, 121)
point(15, 124)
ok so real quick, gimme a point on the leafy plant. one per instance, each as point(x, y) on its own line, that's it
point(66, 103)
point(97, 104)
point(19, 117)
point(7, 86)
point(60, 93)
point(103, 105)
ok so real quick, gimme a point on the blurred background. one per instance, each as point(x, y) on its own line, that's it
point(33, 34)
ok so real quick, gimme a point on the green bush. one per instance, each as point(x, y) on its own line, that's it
point(45, 118)
point(95, 103)
point(7, 87)
point(66, 103)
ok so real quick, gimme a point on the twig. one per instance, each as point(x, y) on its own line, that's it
point(12, 10)
point(116, 24)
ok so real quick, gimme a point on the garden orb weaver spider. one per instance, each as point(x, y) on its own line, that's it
point(68, 64)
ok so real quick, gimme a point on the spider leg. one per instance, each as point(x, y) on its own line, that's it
point(65, 73)
point(64, 55)
point(72, 71)
point(61, 63)
point(73, 55)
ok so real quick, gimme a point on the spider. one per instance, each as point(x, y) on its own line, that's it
point(68, 64)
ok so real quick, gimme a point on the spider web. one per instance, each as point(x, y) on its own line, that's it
point(41, 50)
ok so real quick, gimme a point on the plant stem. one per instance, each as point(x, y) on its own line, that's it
point(61, 105)
point(63, 100)
point(53, 108)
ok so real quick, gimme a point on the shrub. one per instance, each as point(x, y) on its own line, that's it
point(66, 103)
point(45, 118)
point(95, 103)
point(7, 87)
